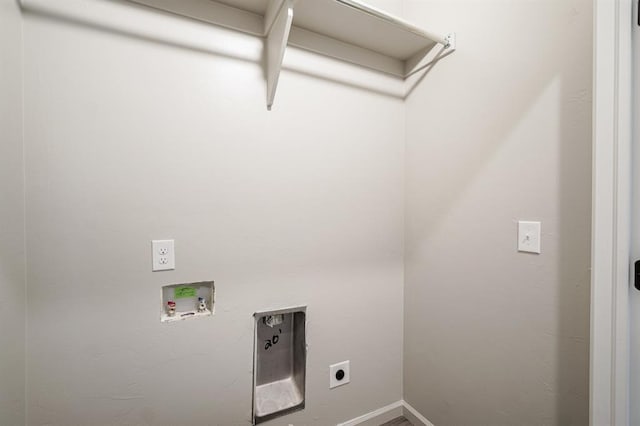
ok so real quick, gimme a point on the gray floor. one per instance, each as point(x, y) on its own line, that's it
point(399, 421)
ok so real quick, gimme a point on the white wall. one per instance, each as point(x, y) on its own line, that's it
point(142, 126)
point(12, 293)
point(500, 131)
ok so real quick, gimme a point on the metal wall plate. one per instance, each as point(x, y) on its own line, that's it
point(279, 363)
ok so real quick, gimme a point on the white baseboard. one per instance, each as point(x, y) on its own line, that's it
point(389, 412)
point(377, 417)
point(414, 416)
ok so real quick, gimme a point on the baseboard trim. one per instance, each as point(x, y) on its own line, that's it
point(377, 417)
point(414, 415)
point(389, 412)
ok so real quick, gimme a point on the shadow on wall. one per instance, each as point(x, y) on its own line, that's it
point(500, 132)
point(574, 235)
point(142, 29)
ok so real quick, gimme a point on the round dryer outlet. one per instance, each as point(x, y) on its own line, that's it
point(339, 374)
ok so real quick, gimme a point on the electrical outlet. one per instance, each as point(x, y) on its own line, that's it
point(163, 255)
point(339, 374)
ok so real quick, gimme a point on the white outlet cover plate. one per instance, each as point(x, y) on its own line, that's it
point(529, 236)
point(163, 255)
point(333, 369)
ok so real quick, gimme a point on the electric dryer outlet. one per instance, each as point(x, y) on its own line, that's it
point(339, 374)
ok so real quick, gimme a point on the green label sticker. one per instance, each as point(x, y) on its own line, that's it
point(185, 292)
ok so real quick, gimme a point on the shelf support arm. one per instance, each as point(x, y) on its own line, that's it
point(276, 45)
point(427, 57)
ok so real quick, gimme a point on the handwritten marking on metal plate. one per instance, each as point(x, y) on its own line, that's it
point(274, 340)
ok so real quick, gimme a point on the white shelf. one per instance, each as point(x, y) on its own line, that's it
point(353, 22)
point(364, 26)
point(349, 30)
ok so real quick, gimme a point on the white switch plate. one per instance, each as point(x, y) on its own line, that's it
point(529, 236)
point(334, 382)
point(163, 255)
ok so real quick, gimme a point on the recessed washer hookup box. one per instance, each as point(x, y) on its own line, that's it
point(279, 363)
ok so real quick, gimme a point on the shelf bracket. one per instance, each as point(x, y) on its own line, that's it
point(276, 44)
point(428, 57)
point(450, 41)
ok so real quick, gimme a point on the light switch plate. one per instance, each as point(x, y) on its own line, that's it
point(529, 236)
point(163, 255)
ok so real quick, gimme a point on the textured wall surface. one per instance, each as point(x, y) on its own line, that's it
point(144, 126)
point(497, 132)
point(12, 289)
